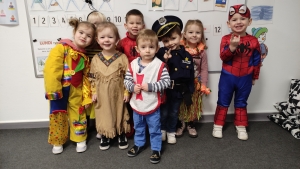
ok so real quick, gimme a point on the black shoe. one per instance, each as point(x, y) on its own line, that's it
point(104, 143)
point(123, 144)
point(135, 150)
point(155, 157)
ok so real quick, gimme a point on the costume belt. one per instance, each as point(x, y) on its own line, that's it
point(184, 90)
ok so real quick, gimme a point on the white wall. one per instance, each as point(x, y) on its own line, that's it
point(22, 95)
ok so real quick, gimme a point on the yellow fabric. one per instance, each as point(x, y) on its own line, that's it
point(58, 128)
point(90, 111)
point(54, 72)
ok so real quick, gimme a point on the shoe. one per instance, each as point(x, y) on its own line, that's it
point(155, 157)
point(180, 129)
point(192, 130)
point(104, 143)
point(242, 132)
point(217, 131)
point(171, 138)
point(57, 149)
point(135, 150)
point(98, 136)
point(81, 147)
point(163, 135)
point(123, 144)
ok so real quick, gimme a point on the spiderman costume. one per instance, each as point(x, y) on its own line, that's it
point(239, 68)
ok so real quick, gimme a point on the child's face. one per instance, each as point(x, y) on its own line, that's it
point(134, 24)
point(193, 34)
point(83, 36)
point(172, 42)
point(239, 24)
point(107, 39)
point(147, 49)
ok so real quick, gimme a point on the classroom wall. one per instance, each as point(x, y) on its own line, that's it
point(22, 94)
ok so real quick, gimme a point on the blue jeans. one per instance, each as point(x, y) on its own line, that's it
point(169, 111)
point(153, 122)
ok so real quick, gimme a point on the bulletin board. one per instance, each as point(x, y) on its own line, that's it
point(48, 21)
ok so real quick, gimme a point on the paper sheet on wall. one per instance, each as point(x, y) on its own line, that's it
point(41, 49)
point(221, 5)
point(72, 5)
point(189, 5)
point(9, 13)
point(156, 5)
point(55, 5)
point(171, 4)
point(37, 5)
point(106, 5)
point(236, 2)
point(138, 1)
point(205, 5)
point(261, 11)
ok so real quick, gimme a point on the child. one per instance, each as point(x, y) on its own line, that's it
point(134, 24)
point(146, 78)
point(194, 43)
point(241, 58)
point(181, 70)
point(107, 73)
point(95, 18)
point(67, 87)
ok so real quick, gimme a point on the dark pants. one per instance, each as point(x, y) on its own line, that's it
point(169, 110)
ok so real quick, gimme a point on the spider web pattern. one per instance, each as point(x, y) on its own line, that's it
point(244, 60)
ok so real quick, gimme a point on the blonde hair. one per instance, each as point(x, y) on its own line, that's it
point(147, 34)
point(110, 25)
point(95, 15)
point(75, 23)
point(198, 23)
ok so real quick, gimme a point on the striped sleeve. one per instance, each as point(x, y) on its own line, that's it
point(128, 81)
point(162, 84)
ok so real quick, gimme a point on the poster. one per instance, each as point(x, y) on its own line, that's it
point(8, 12)
point(261, 11)
point(41, 49)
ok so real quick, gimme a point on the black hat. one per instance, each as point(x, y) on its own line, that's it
point(164, 24)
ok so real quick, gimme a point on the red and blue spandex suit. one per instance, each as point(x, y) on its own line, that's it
point(239, 68)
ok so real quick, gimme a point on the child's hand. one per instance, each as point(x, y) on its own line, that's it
point(126, 98)
point(87, 106)
point(253, 82)
point(145, 87)
point(167, 55)
point(94, 98)
point(264, 55)
point(234, 42)
point(137, 89)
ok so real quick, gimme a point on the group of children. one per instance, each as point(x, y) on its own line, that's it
point(135, 81)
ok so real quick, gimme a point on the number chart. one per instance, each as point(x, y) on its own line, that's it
point(48, 22)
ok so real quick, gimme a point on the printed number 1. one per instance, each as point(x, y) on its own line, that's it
point(218, 29)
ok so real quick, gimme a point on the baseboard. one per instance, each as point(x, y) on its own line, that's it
point(204, 119)
point(230, 117)
point(24, 125)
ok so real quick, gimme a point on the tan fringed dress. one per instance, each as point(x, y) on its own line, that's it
point(107, 77)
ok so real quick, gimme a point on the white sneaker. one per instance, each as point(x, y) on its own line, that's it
point(163, 135)
point(57, 149)
point(242, 132)
point(81, 147)
point(98, 136)
point(171, 138)
point(217, 131)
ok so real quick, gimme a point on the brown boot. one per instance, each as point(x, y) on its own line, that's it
point(180, 129)
point(192, 130)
